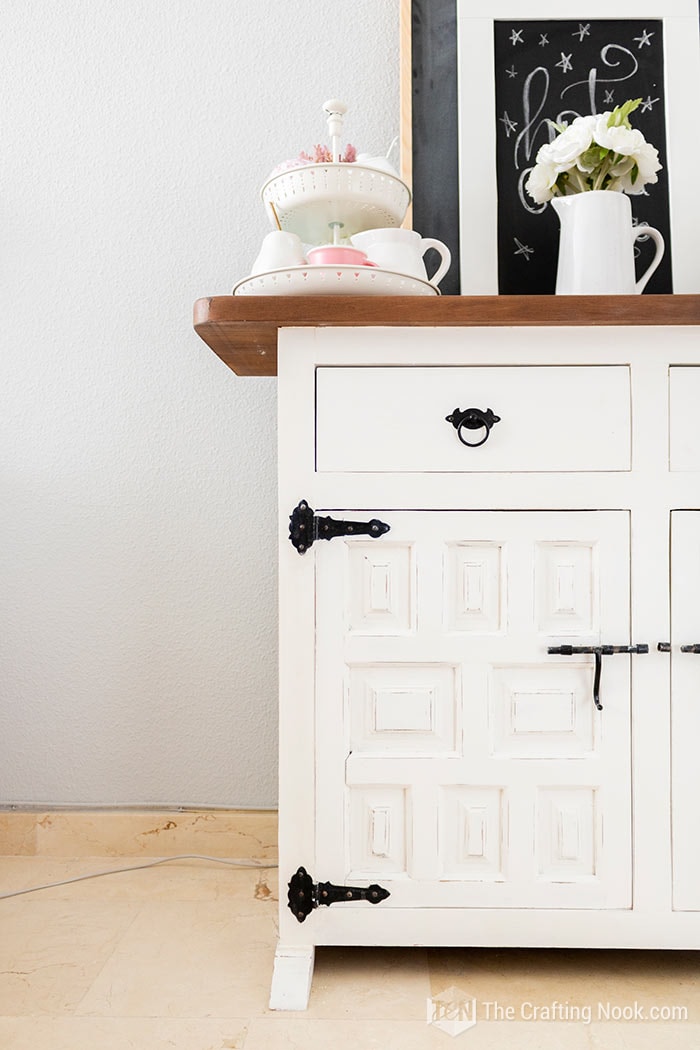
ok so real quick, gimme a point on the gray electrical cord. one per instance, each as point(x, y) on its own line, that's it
point(138, 867)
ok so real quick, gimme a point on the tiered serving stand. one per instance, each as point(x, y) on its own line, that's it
point(324, 203)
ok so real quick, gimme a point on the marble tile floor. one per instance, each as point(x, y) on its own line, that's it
point(180, 957)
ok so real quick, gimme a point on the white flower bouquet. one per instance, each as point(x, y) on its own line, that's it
point(597, 152)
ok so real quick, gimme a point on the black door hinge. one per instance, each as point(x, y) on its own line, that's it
point(305, 527)
point(305, 895)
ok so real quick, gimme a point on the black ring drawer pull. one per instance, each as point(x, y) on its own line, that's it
point(598, 652)
point(472, 419)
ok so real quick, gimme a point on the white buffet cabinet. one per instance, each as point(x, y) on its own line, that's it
point(431, 746)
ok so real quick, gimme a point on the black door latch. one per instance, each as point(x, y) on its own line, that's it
point(598, 652)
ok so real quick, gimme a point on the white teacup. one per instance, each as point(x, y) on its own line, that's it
point(280, 249)
point(402, 251)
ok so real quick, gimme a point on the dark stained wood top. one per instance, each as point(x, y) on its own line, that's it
point(242, 330)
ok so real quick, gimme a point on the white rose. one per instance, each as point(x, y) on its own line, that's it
point(540, 182)
point(647, 158)
point(567, 147)
point(620, 139)
point(623, 167)
point(647, 161)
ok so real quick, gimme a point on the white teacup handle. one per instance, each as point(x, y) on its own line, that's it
point(649, 231)
point(445, 257)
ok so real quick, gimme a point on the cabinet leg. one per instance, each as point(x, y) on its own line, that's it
point(291, 978)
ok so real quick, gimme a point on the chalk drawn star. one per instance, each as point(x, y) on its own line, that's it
point(516, 37)
point(508, 124)
point(648, 104)
point(512, 72)
point(544, 39)
point(565, 63)
point(645, 38)
point(582, 31)
point(523, 250)
point(609, 96)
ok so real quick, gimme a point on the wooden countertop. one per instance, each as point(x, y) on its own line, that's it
point(242, 330)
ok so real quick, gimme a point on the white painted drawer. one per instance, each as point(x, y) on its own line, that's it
point(552, 418)
point(684, 416)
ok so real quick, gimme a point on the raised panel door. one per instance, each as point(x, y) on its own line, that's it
point(459, 764)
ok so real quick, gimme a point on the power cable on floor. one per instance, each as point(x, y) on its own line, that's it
point(138, 867)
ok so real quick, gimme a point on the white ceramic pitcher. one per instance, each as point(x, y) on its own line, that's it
point(596, 245)
point(402, 251)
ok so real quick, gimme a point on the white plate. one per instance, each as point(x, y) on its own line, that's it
point(333, 280)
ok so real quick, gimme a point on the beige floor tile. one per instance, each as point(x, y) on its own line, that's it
point(526, 1036)
point(368, 983)
point(512, 977)
point(52, 951)
point(304, 1034)
point(653, 1035)
point(17, 833)
point(152, 834)
point(176, 880)
point(188, 959)
point(118, 1033)
point(379, 983)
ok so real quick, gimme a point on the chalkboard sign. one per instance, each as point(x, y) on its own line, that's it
point(557, 70)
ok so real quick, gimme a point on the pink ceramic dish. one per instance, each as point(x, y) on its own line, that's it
point(337, 255)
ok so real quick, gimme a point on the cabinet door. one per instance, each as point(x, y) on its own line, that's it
point(685, 708)
point(458, 763)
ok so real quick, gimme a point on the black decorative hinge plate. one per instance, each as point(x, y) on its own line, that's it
point(304, 894)
point(305, 527)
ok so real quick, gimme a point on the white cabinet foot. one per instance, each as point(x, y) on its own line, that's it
point(291, 979)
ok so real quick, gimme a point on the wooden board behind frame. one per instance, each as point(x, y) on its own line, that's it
point(450, 190)
point(429, 80)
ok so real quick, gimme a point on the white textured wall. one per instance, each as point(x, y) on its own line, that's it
point(137, 473)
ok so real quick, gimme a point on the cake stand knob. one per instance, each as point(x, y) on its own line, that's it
point(336, 110)
point(334, 107)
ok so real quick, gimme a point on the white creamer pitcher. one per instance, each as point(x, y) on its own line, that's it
point(280, 249)
point(402, 251)
point(596, 245)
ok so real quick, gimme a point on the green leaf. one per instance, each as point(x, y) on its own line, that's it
point(620, 115)
point(559, 127)
point(593, 156)
point(561, 182)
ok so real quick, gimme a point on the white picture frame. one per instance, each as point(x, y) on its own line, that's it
point(477, 127)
